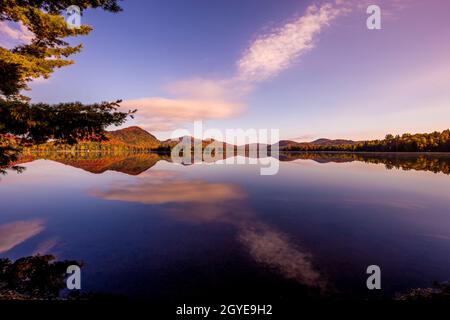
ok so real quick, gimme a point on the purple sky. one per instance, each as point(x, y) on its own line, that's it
point(309, 68)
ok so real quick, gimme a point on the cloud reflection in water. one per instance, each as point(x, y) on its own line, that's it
point(200, 201)
point(14, 233)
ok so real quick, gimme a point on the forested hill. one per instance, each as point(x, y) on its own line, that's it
point(420, 142)
point(128, 139)
point(136, 138)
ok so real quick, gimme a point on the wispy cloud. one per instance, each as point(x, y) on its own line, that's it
point(201, 88)
point(265, 57)
point(277, 50)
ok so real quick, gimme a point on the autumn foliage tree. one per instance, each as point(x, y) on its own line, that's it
point(419, 142)
point(33, 277)
point(47, 51)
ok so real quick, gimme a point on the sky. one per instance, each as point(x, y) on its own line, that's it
point(311, 69)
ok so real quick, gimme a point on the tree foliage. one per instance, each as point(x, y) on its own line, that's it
point(48, 49)
point(420, 142)
point(435, 163)
point(33, 277)
point(23, 123)
point(65, 122)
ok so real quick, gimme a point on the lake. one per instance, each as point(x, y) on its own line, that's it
point(148, 228)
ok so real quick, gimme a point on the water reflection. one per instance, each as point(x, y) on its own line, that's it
point(16, 232)
point(97, 162)
point(199, 201)
point(437, 163)
point(165, 187)
point(273, 248)
point(47, 246)
point(135, 164)
point(38, 277)
point(316, 224)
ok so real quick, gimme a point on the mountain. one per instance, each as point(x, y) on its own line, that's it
point(135, 137)
point(289, 144)
point(138, 137)
point(136, 163)
point(123, 140)
point(170, 143)
point(173, 142)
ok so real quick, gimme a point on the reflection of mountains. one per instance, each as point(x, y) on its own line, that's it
point(406, 161)
point(96, 162)
point(134, 164)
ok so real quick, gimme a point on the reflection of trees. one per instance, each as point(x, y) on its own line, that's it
point(419, 142)
point(8, 157)
point(438, 292)
point(421, 162)
point(136, 163)
point(34, 277)
point(99, 162)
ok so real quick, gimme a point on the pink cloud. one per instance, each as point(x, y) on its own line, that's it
point(275, 51)
point(166, 114)
point(16, 232)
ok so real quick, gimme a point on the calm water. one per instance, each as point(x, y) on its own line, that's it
point(146, 227)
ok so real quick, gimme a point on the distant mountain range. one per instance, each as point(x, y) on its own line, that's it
point(284, 144)
point(137, 137)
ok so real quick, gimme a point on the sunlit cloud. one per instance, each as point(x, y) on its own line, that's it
point(17, 232)
point(264, 58)
point(183, 110)
point(277, 50)
point(207, 99)
point(165, 114)
point(199, 88)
